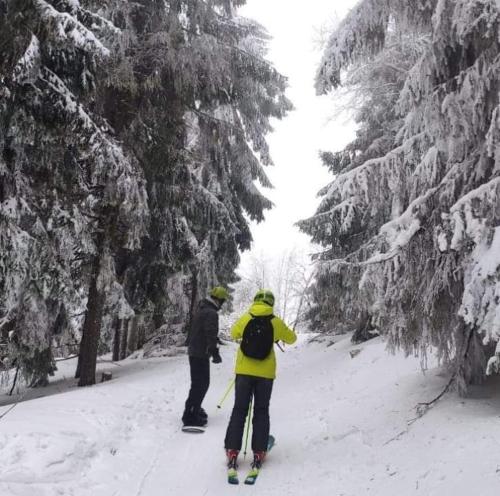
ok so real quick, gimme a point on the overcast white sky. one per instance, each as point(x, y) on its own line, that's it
point(298, 174)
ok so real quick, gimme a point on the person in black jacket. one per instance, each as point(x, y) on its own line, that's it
point(202, 344)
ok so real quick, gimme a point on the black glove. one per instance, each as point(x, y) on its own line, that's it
point(216, 358)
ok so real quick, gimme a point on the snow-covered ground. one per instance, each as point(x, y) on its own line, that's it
point(341, 425)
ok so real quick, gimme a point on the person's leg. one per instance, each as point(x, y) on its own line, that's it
point(242, 396)
point(200, 380)
point(261, 423)
point(204, 380)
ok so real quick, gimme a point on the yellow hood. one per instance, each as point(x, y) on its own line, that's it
point(260, 309)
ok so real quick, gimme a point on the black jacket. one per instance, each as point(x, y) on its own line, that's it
point(202, 337)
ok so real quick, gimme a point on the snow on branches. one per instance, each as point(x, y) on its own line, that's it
point(61, 169)
point(363, 33)
point(414, 233)
point(135, 142)
point(65, 29)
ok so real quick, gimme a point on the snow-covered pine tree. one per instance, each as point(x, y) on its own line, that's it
point(69, 196)
point(414, 230)
point(113, 111)
point(371, 88)
point(192, 95)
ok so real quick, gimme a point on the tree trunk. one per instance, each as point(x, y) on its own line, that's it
point(79, 363)
point(363, 328)
point(303, 295)
point(141, 333)
point(124, 340)
point(15, 381)
point(87, 360)
point(133, 336)
point(116, 340)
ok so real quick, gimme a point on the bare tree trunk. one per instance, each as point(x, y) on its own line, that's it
point(363, 328)
point(133, 337)
point(124, 340)
point(79, 363)
point(307, 284)
point(141, 333)
point(116, 339)
point(87, 360)
point(15, 381)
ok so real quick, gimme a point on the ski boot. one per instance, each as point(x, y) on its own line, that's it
point(232, 466)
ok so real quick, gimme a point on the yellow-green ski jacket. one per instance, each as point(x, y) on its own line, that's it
point(260, 368)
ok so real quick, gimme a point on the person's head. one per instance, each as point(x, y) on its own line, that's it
point(265, 296)
point(219, 295)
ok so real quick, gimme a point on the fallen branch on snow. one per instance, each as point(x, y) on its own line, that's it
point(422, 409)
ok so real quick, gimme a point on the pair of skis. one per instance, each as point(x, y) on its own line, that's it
point(232, 473)
point(232, 476)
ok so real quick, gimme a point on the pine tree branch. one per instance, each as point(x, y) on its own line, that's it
point(234, 48)
point(112, 362)
point(14, 405)
point(65, 359)
point(423, 408)
point(216, 119)
point(11, 408)
point(67, 344)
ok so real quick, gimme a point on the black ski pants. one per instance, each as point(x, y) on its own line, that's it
point(260, 389)
point(200, 380)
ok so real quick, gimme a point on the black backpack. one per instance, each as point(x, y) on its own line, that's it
point(258, 337)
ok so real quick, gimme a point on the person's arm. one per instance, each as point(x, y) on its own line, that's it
point(284, 333)
point(211, 328)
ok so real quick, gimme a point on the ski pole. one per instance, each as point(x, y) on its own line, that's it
point(248, 428)
point(226, 394)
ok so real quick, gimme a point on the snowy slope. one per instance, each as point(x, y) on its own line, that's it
point(333, 416)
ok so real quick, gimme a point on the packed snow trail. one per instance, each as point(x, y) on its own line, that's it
point(341, 427)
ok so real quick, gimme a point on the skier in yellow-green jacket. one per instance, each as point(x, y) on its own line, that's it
point(257, 330)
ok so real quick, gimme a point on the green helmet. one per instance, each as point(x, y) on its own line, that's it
point(265, 296)
point(220, 293)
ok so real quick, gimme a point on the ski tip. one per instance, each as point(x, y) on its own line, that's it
point(192, 429)
point(251, 477)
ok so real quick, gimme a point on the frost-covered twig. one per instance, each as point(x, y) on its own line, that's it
point(14, 405)
point(396, 437)
point(423, 408)
point(65, 359)
point(112, 362)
